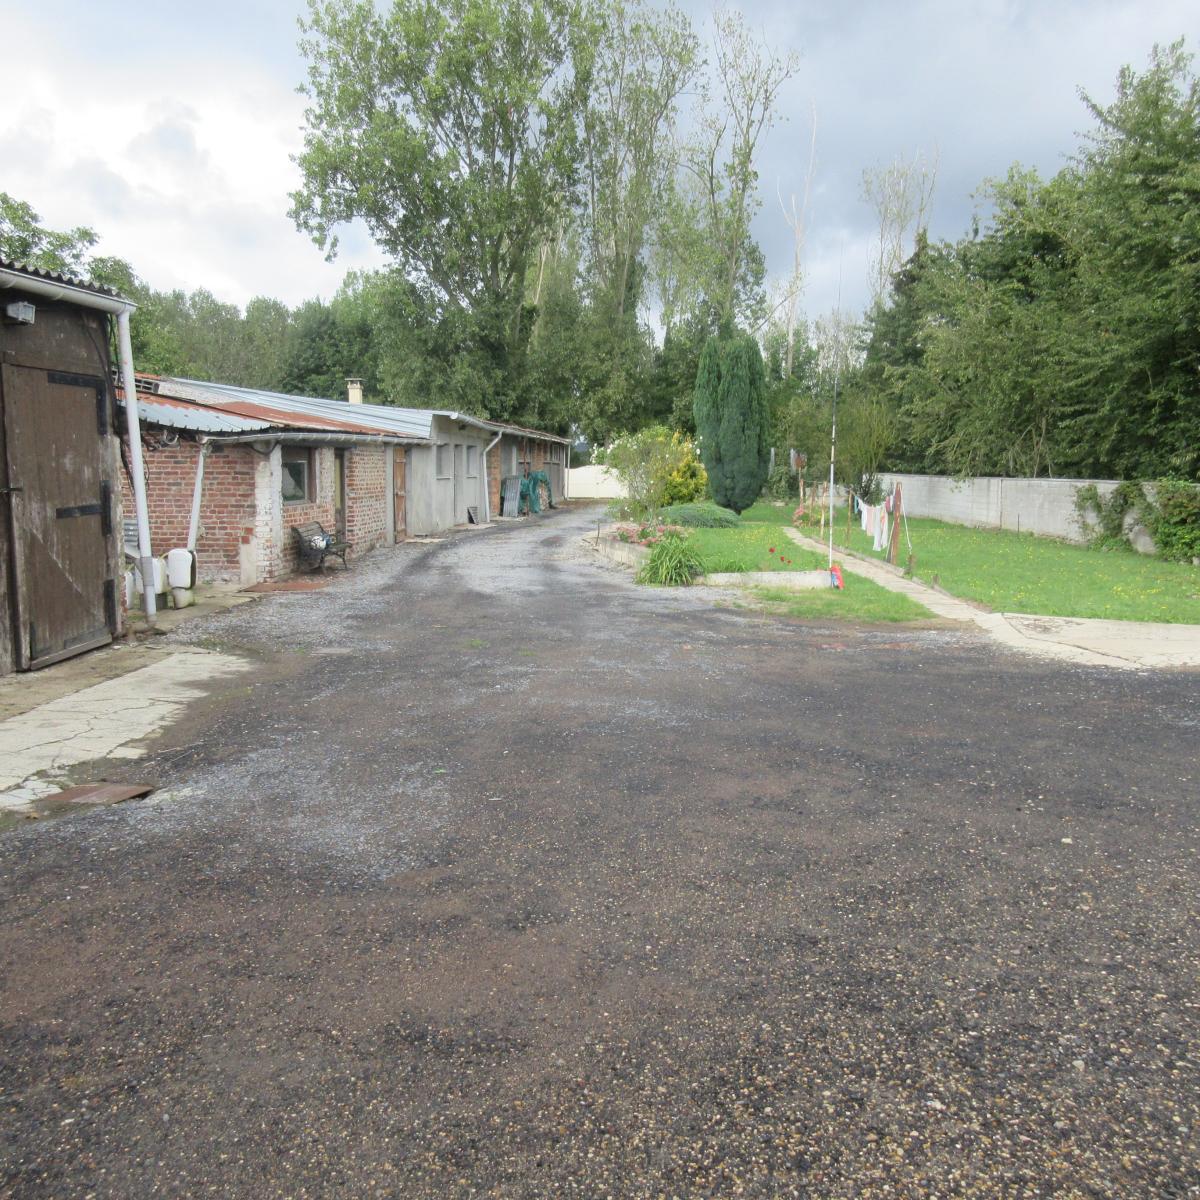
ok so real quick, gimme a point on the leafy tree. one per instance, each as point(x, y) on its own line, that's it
point(732, 420)
point(451, 127)
point(24, 240)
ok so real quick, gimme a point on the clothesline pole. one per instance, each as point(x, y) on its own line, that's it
point(894, 540)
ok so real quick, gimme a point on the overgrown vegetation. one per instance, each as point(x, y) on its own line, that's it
point(1168, 509)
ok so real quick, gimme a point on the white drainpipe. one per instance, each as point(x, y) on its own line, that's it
point(194, 523)
point(487, 491)
point(121, 309)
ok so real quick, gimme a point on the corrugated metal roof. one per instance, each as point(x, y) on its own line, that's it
point(181, 415)
point(376, 418)
point(56, 277)
point(381, 418)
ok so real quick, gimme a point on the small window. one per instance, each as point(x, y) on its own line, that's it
point(297, 475)
point(472, 461)
point(443, 460)
point(508, 458)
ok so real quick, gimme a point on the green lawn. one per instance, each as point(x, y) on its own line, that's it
point(861, 600)
point(756, 546)
point(1018, 572)
point(749, 547)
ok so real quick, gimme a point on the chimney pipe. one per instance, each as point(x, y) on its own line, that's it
point(354, 391)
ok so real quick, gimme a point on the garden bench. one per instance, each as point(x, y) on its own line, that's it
point(314, 543)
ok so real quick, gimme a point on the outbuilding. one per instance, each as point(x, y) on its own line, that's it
point(60, 556)
point(230, 471)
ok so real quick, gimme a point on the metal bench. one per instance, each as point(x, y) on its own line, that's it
point(314, 544)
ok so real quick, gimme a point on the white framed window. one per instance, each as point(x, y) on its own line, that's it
point(442, 466)
point(508, 458)
point(472, 461)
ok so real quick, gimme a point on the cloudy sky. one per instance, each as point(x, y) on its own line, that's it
point(168, 128)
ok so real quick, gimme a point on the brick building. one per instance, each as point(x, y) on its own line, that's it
point(269, 462)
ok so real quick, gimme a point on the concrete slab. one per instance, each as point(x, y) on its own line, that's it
point(1133, 645)
point(791, 581)
point(106, 720)
point(210, 598)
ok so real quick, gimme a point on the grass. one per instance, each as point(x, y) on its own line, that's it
point(761, 546)
point(749, 547)
point(1020, 572)
point(861, 600)
point(763, 512)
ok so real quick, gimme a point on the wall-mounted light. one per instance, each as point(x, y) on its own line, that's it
point(19, 312)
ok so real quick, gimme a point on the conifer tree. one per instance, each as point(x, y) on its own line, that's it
point(732, 419)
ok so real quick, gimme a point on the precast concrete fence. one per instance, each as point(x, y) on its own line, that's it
point(1042, 506)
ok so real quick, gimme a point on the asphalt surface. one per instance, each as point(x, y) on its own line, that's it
point(506, 877)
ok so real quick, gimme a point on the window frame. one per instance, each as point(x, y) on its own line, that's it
point(304, 456)
point(438, 450)
point(471, 465)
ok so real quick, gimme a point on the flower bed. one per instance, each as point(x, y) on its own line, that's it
point(644, 535)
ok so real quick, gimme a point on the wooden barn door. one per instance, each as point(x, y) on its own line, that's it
point(60, 512)
point(399, 491)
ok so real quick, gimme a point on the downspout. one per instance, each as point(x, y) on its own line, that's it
point(194, 523)
point(487, 491)
point(129, 384)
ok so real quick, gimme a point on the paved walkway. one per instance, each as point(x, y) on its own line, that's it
point(1135, 645)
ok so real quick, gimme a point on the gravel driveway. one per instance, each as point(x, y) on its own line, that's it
point(506, 877)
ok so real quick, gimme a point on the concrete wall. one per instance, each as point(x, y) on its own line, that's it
point(1041, 506)
point(593, 483)
point(431, 498)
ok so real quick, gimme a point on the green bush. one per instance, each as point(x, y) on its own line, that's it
point(700, 516)
point(656, 467)
point(782, 482)
point(672, 563)
point(1173, 518)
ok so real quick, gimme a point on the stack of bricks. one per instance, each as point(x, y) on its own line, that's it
point(227, 507)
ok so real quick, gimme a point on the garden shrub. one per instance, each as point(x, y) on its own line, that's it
point(700, 516)
point(782, 482)
point(656, 467)
point(1173, 519)
point(673, 562)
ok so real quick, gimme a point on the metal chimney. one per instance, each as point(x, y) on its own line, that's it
point(354, 391)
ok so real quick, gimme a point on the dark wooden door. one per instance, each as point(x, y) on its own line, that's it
point(400, 490)
point(60, 512)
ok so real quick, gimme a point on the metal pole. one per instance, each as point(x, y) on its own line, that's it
point(837, 375)
point(134, 425)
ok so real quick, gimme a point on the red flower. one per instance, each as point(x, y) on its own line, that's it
point(772, 550)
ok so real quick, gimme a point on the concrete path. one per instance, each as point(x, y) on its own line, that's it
point(39, 746)
point(502, 876)
point(1130, 645)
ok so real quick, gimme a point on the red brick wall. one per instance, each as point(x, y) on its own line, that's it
point(318, 509)
point(226, 509)
point(367, 498)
